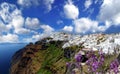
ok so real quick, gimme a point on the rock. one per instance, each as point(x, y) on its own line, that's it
point(118, 58)
point(29, 60)
point(74, 67)
point(22, 60)
point(84, 58)
point(68, 53)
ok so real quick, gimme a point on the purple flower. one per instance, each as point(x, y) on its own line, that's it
point(78, 57)
point(88, 62)
point(68, 64)
point(94, 62)
point(73, 72)
point(89, 54)
point(95, 66)
point(114, 66)
point(78, 65)
point(101, 59)
point(100, 51)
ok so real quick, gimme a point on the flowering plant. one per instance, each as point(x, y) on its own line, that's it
point(95, 63)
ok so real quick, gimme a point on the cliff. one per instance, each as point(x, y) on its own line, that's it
point(39, 58)
point(49, 55)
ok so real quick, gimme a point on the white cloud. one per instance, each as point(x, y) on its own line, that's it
point(96, 1)
point(116, 19)
point(32, 23)
point(33, 38)
point(68, 28)
point(13, 23)
point(17, 22)
point(40, 36)
point(47, 31)
point(59, 22)
point(6, 10)
point(11, 38)
point(88, 3)
point(36, 37)
point(84, 25)
point(28, 3)
point(105, 26)
point(22, 31)
point(12, 17)
point(70, 10)
point(4, 28)
point(18, 25)
point(47, 28)
point(110, 11)
point(48, 4)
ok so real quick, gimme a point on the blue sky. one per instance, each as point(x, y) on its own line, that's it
point(30, 20)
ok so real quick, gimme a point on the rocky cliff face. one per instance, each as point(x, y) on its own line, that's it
point(49, 55)
point(23, 60)
point(33, 58)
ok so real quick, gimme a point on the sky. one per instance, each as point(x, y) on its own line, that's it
point(30, 20)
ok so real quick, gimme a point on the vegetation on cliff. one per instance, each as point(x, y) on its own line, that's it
point(48, 57)
point(40, 58)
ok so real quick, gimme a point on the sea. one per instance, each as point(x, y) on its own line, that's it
point(7, 50)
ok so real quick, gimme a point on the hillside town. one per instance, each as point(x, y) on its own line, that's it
point(108, 43)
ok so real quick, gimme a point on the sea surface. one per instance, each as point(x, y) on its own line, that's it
point(6, 52)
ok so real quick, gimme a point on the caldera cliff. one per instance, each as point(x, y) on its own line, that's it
point(56, 54)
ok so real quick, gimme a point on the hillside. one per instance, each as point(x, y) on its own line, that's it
point(52, 54)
